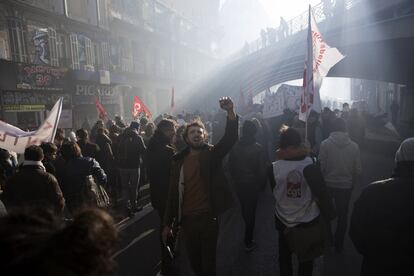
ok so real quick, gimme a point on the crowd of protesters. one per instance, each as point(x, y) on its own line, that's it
point(193, 168)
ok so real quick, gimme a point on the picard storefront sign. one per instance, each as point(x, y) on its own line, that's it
point(87, 93)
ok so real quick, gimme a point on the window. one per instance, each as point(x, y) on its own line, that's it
point(4, 45)
point(98, 55)
point(62, 53)
point(105, 55)
point(74, 50)
point(126, 55)
point(17, 34)
point(138, 57)
point(89, 51)
point(54, 61)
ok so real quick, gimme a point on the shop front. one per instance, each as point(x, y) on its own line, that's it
point(36, 89)
point(84, 102)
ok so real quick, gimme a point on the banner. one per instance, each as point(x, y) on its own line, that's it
point(15, 139)
point(139, 107)
point(286, 97)
point(320, 58)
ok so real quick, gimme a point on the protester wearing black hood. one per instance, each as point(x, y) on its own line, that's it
point(382, 223)
point(248, 169)
point(131, 149)
point(159, 157)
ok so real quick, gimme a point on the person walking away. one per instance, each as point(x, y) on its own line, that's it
point(72, 169)
point(88, 148)
point(340, 163)
point(382, 221)
point(303, 205)
point(32, 186)
point(198, 191)
point(395, 109)
point(131, 149)
point(94, 130)
point(107, 159)
point(356, 127)
point(8, 166)
point(50, 153)
point(159, 157)
point(248, 171)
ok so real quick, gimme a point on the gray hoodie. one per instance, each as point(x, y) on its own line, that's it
point(340, 160)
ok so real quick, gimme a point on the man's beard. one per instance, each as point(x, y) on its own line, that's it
point(197, 147)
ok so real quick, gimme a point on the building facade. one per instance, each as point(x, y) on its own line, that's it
point(108, 50)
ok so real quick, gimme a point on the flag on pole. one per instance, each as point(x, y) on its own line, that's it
point(172, 99)
point(15, 139)
point(320, 58)
point(101, 110)
point(139, 107)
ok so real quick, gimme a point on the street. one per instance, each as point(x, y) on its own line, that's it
point(140, 256)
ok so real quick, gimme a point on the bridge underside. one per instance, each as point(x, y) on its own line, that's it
point(389, 60)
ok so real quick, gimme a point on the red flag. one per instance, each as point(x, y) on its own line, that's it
point(139, 107)
point(172, 99)
point(101, 110)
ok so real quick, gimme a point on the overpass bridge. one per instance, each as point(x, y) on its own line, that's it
point(376, 37)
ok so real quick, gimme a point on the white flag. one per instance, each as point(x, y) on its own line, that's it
point(320, 59)
point(15, 139)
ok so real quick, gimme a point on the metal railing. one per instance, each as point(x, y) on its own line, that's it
point(298, 24)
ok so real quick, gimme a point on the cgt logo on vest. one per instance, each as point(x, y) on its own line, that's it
point(293, 182)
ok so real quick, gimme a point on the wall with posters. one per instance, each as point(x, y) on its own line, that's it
point(31, 93)
point(41, 77)
point(286, 97)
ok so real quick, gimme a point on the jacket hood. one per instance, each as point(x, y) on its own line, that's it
point(340, 139)
point(158, 140)
point(292, 153)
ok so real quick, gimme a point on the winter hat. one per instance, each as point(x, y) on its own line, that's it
point(405, 151)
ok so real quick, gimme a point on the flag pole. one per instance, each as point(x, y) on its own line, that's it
point(309, 72)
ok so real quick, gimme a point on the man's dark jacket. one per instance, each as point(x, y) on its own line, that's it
point(33, 187)
point(72, 175)
point(89, 149)
point(211, 171)
point(131, 149)
point(382, 224)
point(159, 156)
point(247, 163)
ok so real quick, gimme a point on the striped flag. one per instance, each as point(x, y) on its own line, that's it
point(320, 58)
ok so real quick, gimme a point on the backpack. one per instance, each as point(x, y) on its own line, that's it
point(94, 194)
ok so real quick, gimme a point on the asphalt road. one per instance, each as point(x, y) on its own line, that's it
point(139, 254)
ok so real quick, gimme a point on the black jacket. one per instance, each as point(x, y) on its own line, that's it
point(33, 187)
point(89, 149)
point(247, 163)
point(72, 175)
point(131, 149)
point(159, 156)
point(211, 171)
point(382, 224)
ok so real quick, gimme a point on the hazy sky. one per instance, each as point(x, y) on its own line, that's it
point(286, 8)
